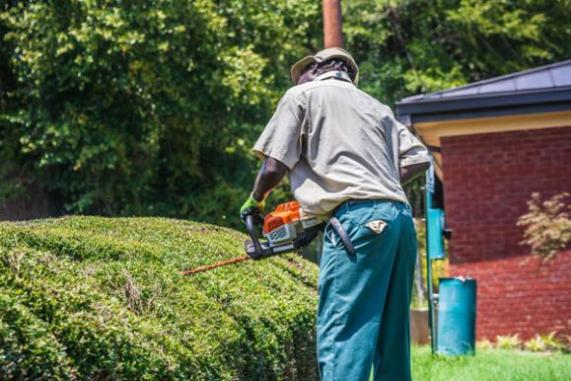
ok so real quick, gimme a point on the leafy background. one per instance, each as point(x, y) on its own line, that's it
point(149, 108)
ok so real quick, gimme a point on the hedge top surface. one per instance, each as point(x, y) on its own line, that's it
point(103, 298)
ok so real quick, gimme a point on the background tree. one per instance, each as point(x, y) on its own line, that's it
point(407, 47)
point(150, 108)
point(126, 107)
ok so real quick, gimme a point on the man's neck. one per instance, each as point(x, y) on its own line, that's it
point(334, 74)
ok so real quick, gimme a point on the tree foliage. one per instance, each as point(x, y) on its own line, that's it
point(407, 47)
point(128, 107)
point(149, 108)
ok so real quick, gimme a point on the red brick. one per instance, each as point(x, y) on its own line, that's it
point(488, 178)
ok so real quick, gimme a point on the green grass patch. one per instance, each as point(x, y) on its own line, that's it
point(491, 365)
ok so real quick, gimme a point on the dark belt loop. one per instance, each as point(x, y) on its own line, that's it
point(342, 234)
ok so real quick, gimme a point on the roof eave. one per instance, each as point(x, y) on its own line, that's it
point(484, 105)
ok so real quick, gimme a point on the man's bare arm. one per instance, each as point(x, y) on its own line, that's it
point(411, 172)
point(269, 176)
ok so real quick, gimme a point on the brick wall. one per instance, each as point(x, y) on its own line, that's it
point(487, 180)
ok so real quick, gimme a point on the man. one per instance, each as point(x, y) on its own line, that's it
point(347, 156)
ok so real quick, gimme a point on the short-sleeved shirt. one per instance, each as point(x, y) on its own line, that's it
point(339, 143)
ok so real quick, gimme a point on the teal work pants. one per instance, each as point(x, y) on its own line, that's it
point(364, 299)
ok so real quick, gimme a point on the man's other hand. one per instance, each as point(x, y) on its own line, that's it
point(252, 207)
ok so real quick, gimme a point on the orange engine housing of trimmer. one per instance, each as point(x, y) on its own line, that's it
point(280, 224)
point(284, 214)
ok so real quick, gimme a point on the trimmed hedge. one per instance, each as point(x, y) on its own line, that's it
point(102, 298)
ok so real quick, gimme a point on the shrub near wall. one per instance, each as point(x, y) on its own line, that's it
point(97, 298)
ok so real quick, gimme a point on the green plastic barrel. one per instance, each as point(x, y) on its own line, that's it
point(456, 333)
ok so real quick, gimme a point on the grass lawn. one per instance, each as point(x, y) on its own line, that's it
point(491, 365)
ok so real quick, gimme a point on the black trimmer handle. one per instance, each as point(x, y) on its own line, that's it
point(251, 229)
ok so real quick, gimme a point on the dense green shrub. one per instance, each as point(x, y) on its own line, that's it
point(97, 298)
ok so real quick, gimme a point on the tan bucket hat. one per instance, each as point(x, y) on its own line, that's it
point(321, 56)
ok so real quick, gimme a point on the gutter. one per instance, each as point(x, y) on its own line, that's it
point(431, 109)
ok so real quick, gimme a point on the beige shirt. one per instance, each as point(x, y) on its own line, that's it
point(339, 144)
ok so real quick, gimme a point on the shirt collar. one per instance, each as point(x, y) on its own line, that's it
point(341, 75)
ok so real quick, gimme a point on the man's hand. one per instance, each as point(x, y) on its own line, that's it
point(252, 207)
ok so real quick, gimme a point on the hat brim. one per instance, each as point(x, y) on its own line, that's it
point(298, 67)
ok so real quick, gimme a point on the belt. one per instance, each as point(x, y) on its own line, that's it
point(356, 201)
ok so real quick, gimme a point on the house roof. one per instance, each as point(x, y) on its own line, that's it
point(543, 89)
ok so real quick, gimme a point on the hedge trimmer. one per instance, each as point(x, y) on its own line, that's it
point(284, 231)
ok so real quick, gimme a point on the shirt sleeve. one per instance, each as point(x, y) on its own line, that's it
point(282, 136)
point(411, 150)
